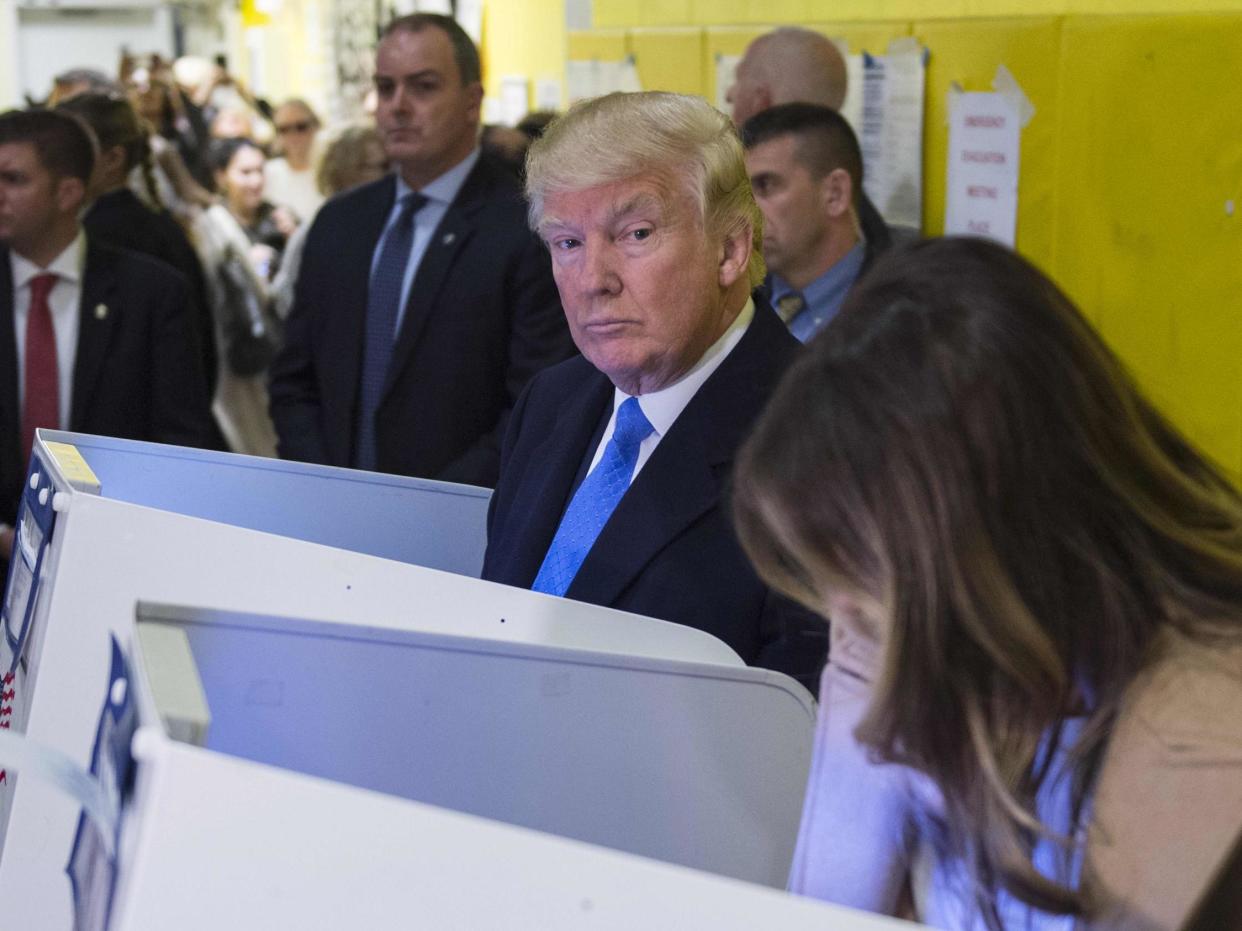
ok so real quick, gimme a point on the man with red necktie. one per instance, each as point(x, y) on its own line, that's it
point(92, 339)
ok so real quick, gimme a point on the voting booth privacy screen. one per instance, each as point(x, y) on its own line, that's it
point(692, 763)
point(381, 677)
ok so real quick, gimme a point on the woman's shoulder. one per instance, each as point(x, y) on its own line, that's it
point(1189, 700)
point(1168, 801)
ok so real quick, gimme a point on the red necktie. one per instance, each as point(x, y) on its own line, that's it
point(42, 403)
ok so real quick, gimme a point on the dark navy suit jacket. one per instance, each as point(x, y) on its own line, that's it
point(668, 551)
point(483, 316)
point(138, 370)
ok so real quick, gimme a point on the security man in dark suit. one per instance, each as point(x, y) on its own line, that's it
point(615, 467)
point(92, 339)
point(424, 304)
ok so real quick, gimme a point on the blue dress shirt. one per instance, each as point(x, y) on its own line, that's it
point(824, 295)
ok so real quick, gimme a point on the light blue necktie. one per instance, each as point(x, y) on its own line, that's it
point(383, 308)
point(594, 501)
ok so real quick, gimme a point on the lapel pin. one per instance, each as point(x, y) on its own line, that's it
point(448, 238)
point(101, 311)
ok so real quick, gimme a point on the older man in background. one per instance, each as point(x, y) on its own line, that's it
point(615, 466)
point(796, 65)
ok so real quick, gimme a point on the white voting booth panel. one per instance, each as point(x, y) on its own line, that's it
point(214, 842)
point(695, 764)
point(435, 524)
point(106, 554)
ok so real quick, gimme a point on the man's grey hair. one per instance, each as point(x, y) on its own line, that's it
point(620, 136)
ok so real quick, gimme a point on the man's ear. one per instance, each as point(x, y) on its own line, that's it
point(837, 191)
point(474, 94)
point(763, 96)
point(735, 249)
point(70, 193)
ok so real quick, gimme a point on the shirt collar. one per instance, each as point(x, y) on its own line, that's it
point(68, 265)
point(446, 187)
point(839, 275)
point(664, 406)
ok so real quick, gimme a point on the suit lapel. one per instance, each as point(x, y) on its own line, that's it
point(549, 478)
point(447, 240)
point(674, 489)
point(97, 314)
point(346, 326)
point(684, 477)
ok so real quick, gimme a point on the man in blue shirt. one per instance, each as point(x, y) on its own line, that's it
point(805, 167)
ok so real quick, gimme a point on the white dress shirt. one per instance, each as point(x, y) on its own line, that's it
point(63, 301)
point(663, 407)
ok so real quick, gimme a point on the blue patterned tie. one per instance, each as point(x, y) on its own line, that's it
point(594, 501)
point(383, 308)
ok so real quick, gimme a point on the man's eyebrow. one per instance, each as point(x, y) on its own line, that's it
point(546, 224)
point(414, 76)
point(636, 204)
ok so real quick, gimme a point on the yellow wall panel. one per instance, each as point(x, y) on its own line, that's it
point(864, 37)
point(1151, 7)
point(669, 59)
point(526, 39)
point(633, 13)
point(967, 52)
point(731, 40)
point(777, 11)
point(599, 45)
point(612, 13)
point(1150, 155)
point(709, 12)
point(868, 10)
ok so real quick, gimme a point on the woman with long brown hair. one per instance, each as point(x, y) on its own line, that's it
point(1032, 713)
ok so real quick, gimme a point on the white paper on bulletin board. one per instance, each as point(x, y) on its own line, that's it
point(852, 108)
point(901, 200)
point(890, 129)
point(586, 79)
point(470, 18)
point(514, 98)
point(984, 146)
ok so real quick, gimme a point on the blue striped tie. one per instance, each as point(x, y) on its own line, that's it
point(594, 501)
point(383, 309)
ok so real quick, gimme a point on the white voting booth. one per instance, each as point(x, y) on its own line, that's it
point(329, 665)
point(283, 851)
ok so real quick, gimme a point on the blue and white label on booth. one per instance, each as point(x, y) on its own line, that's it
point(33, 533)
point(92, 862)
point(36, 519)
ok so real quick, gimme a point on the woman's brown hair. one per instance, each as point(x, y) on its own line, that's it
point(961, 446)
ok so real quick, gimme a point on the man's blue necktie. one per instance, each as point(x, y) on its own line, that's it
point(594, 501)
point(383, 309)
